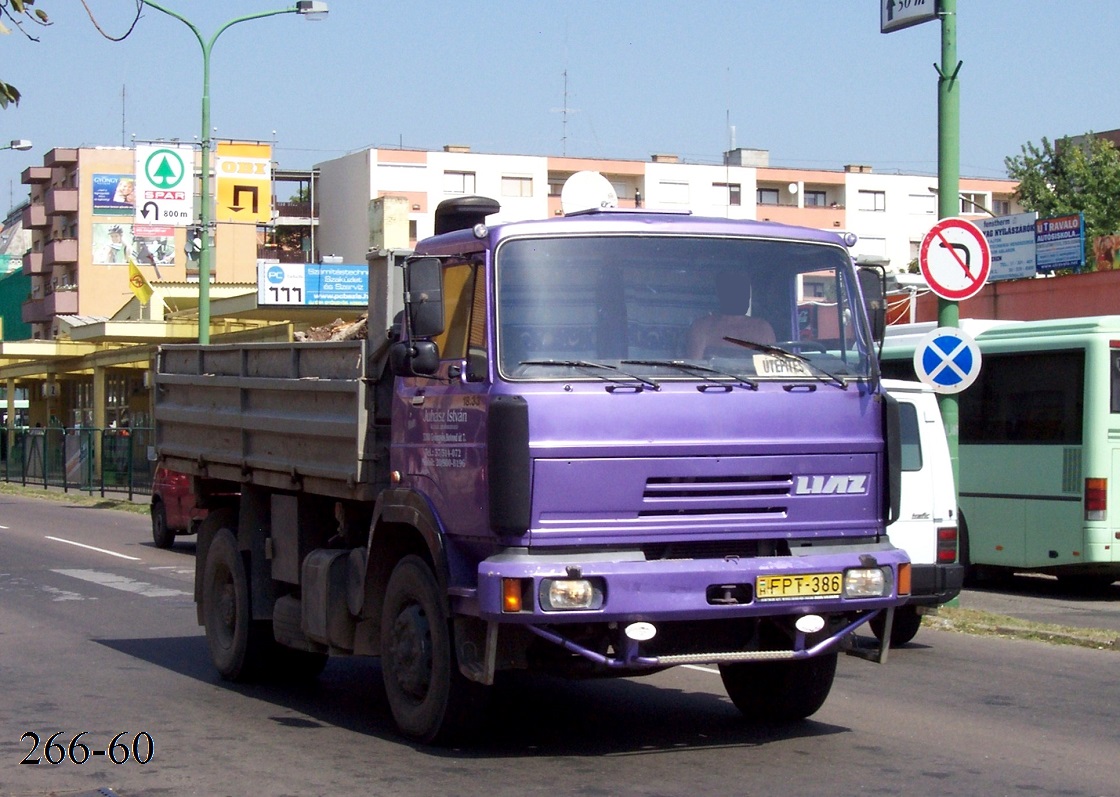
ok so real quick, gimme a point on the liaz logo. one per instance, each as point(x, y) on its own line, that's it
point(830, 485)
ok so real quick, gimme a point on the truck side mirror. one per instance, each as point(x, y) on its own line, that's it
point(873, 286)
point(425, 297)
point(414, 358)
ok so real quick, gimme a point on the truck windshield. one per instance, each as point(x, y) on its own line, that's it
point(649, 304)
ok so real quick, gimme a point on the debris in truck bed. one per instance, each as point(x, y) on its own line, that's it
point(336, 330)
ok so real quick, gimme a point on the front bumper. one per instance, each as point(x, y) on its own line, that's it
point(933, 585)
point(636, 589)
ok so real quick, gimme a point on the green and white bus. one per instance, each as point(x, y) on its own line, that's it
point(1038, 445)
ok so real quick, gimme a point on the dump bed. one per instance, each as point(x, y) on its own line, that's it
point(290, 416)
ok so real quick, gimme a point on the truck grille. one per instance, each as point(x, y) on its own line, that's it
point(723, 496)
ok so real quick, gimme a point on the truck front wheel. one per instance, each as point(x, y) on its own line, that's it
point(237, 643)
point(430, 699)
point(779, 691)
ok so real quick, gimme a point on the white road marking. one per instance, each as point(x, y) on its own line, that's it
point(712, 670)
point(124, 584)
point(65, 595)
point(6, 528)
point(91, 548)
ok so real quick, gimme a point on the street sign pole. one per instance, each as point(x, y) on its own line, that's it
point(948, 190)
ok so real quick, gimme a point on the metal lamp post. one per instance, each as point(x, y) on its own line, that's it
point(18, 143)
point(312, 9)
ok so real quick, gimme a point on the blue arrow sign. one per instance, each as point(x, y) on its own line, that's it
point(947, 359)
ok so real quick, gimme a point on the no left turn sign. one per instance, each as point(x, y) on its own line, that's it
point(955, 259)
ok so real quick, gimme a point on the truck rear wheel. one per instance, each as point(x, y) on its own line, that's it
point(237, 643)
point(779, 691)
point(430, 699)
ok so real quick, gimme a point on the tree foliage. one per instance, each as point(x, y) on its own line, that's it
point(1069, 176)
point(24, 17)
point(20, 14)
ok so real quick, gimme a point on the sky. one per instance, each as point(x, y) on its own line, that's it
point(813, 82)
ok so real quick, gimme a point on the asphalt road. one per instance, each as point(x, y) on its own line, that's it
point(103, 639)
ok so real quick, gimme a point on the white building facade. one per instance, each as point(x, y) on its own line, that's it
point(889, 213)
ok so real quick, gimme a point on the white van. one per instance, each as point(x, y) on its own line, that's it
point(926, 527)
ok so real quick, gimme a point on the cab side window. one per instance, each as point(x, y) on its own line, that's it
point(459, 308)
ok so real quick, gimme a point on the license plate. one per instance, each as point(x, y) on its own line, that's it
point(792, 585)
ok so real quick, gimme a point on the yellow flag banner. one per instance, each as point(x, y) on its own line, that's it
point(139, 285)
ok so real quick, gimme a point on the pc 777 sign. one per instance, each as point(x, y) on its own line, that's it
point(955, 259)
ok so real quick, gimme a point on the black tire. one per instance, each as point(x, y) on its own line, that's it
point(430, 699)
point(779, 691)
point(162, 536)
point(237, 644)
point(907, 621)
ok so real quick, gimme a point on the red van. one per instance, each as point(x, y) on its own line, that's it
point(173, 507)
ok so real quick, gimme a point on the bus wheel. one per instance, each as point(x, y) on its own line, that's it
point(779, 691)
point(430, 699)
point(237, 644)
point(907, 621)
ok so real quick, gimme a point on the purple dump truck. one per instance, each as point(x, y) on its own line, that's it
point(604, 443)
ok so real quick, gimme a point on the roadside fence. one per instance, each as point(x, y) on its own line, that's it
point(67, 458)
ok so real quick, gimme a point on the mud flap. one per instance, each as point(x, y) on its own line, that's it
point(476, 648)
point(877, 652)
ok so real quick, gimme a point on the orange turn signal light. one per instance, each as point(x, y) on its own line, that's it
point(511, 594)
point(904, 579)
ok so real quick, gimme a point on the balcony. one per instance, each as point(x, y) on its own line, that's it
point(34, 217)
point(61, 156)
point(39, 311)
point(62, 200)
point(820, 218)
point(35, 174)
point(62, 251)
point(299, 211)
point(34, 311)
point(33, 264)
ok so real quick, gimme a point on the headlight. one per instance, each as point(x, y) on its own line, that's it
point(570, 594)
point(868, 582)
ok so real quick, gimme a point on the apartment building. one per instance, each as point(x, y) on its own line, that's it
point(81, 215)
point(889, 213)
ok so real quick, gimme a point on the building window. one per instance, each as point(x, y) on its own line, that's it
point(815, 199)
point(974, 204)
point(412, 229)
point(873, 200)
point(673, 193)
point(728, 193)
point(458, 182)
point(768, 196)
point(1001, 207)
point(923, 204)
point(517, 186)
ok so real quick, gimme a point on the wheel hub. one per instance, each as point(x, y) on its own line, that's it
point(411, 651)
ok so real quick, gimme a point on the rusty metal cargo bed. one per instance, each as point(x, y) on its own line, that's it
point(288, 416)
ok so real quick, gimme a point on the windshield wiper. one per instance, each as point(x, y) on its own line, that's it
point(681, 365)
point(592, 366)
point(822, 374)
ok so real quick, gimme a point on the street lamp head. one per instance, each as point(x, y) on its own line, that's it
point(19, 143)
point(314, 10)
